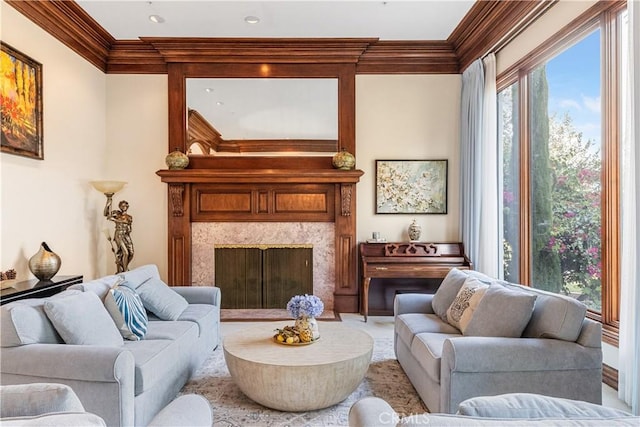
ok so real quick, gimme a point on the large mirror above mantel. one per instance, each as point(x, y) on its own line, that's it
point(227, 116)
point(327, 126)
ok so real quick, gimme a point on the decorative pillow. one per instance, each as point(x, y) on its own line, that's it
point(161, 300)
point(527, 406)
point(502, 312)
point(25, 322)
point(82, 319)
point(126, 309)
point(447, 292)
point(461, 310)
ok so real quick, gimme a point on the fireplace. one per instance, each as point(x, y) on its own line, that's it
point(249, 206)
point(319, 235)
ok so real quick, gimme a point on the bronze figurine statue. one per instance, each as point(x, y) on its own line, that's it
point(121, 244)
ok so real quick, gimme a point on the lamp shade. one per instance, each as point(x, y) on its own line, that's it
point(108, 186)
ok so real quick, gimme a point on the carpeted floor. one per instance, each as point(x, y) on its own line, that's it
point(232, 408)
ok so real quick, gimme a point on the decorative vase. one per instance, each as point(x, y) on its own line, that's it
point(343, 160)
point(177, 160)
point(45, 263)
point(306, 322)
point(414, 231)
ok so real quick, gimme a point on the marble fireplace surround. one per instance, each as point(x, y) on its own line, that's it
point(206, 235)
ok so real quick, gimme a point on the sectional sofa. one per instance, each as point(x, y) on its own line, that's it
point(125, 382)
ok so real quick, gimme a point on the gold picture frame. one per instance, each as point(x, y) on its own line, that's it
point(20, 103)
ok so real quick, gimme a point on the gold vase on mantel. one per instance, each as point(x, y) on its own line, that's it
point(343, 160)
point(177, 160)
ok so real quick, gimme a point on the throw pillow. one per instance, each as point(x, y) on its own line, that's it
point(161, 300)
point(461, 310)
point(527, 406)
point(82, 319)
point(447, 292)
point(126, 309)
point(502, 312)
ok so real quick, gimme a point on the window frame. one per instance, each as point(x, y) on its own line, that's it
point(603, 16)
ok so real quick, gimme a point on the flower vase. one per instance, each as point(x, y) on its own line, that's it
point(310, 323)
point(45, 263)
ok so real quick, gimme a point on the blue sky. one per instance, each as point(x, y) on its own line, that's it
point(574, 85)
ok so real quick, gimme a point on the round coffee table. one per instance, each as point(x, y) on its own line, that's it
point(298, 378)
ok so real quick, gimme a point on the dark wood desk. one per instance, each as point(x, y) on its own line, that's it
point(407, 260)
point(35, 288)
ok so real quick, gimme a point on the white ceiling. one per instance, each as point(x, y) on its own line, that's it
point(386, 20)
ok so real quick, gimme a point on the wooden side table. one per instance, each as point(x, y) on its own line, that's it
point(35, 288)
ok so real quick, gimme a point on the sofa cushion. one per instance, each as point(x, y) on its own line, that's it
point(502, 312)
point(450, 287)
point(127, 311)
point(205, 315)
point(554, 315)
point(409, 325)
point(166, 348)
point(139, 275)
point(25, 322)
point(99, 286)
point(82, 319)
point(33, 399)
point(161, 300)
point(464, 304)
point(427, 349)
point(527, 405)
point(56, 419)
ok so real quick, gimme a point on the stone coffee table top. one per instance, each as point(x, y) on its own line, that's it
point(298, 378)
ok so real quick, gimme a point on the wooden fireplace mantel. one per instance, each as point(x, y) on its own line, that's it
point(265, 195)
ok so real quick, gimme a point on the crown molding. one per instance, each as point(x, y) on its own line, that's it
point(258, 50)
point(70, 24)
point(409, 57)
point(488, 24)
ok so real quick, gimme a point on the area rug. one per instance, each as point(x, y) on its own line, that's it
point(231, 408)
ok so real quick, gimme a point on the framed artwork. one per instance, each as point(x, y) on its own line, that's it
point(20, 103)
point(411, 186)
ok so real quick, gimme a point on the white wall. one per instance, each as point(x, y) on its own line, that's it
point(137, 129)
point(407, 117)
point(51, 200)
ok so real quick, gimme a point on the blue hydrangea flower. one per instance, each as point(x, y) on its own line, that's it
point(305, 305)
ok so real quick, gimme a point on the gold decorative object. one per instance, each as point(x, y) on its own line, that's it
point(177, 160)
point(45, 263)
point(343, 160)
point(121, 243)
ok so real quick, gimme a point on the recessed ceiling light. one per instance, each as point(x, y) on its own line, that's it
point(156, 18)
point(219, 103)
point(209, 90)
point(251, 19)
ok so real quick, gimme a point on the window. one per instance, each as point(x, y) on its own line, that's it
point(558, 127)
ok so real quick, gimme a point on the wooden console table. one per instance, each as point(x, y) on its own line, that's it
point(407, 260)
point(35, 288)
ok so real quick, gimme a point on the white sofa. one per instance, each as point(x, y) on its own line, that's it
point(125, 384)
point(508, 410)
point(56, 405)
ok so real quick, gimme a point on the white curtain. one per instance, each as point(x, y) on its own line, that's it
point(479, 184)
point(488, 254)
point(629, 342)
point(470, 157)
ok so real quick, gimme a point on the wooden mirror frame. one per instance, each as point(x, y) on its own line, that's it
point(179, 72)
